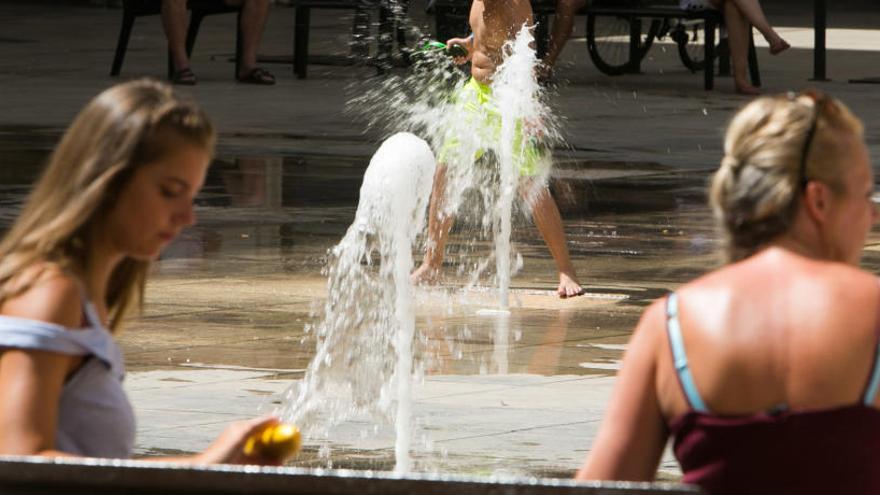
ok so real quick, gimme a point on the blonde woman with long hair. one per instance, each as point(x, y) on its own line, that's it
point(765, 372)
point(117, 189)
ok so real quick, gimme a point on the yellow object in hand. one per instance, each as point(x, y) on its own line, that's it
point(280, 442)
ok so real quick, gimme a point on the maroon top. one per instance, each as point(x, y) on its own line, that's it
point(823, 451)
point(804, 452)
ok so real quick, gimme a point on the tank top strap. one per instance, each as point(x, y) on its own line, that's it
point(873, 385)
point(679, 356)
point(24, 333)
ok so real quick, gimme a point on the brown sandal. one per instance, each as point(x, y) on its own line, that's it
point(184, 77)
point(257, 75)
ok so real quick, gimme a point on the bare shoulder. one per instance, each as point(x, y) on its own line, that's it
point(651, 323)
point(53, 296)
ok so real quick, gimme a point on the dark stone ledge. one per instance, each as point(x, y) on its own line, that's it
point(80, 476)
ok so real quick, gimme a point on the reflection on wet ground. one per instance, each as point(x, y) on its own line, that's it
point(236, 292)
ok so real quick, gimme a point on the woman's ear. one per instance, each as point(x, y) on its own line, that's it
point(817, 200)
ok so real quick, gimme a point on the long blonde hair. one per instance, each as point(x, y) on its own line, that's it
point(124, 127)
point(755, 190)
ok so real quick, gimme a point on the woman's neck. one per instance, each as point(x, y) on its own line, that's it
point(101, 261)
point(797, 245)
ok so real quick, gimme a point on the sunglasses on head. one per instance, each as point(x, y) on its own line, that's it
point(819, 101)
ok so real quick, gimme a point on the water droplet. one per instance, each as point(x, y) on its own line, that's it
point(705, 111)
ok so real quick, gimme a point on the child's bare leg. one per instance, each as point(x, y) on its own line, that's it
point(439, 224)
point(549, 222)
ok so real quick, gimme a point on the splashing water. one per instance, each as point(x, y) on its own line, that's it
point(368, 316)
point(480, 139)
point(515, 89)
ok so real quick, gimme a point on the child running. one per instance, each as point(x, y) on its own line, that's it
point(494, 23)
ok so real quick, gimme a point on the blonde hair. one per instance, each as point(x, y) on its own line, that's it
point(754, 194)
point(121, 129)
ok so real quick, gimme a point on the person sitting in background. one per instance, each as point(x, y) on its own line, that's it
point(253, 20)
point(739, 17)
point(563, 25)
point(117, 189)
point(765, 372)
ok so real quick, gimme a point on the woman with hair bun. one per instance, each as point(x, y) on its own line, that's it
point(117, 189)
point(765, 371)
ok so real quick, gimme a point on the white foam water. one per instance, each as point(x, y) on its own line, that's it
point(368, 317)
point(516, 93)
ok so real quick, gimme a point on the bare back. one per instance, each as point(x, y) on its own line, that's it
point(494, 23)
point(776, 329)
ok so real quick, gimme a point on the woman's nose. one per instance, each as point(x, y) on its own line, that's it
point(188, 215)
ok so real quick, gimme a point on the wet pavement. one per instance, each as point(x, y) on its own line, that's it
point(223, 332)
point(222, 336)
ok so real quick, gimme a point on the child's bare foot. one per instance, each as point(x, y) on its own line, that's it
point(424, 274)
point(568, 287)
point(778, 46)
point(747, 89)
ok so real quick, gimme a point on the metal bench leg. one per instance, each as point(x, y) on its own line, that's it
point(400, 29)
point(122, 43)
point(723, 52)
point(385, 48)
point(239, 44)
point(754, 72)
point(709, 55)
point(635, 39)
point(360, 33)
point(301, 41)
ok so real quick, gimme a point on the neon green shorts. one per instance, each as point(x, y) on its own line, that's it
point(480, 116)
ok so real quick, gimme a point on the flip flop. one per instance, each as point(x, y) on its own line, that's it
point(184, 77)
point(257, 75)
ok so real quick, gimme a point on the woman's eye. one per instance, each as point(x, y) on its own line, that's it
point(168, 193)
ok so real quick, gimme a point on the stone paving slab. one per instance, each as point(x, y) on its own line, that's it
point(499, 422)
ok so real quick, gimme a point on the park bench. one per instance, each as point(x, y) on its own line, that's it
point(199, 9)
point(389, 29)
point(451, 18)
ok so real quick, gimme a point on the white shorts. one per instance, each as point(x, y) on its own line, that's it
point(695, 4)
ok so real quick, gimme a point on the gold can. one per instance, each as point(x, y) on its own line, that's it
point(281, 442)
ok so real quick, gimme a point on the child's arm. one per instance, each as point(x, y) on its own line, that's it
point(467, 44)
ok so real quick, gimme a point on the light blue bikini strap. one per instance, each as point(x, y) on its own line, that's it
point(874, 381)
point(679, 357)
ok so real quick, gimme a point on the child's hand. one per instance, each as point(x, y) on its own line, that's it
point(467, 44)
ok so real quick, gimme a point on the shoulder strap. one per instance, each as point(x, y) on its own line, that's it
point(679, 357)
point(23, 333)
point(873, 384)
